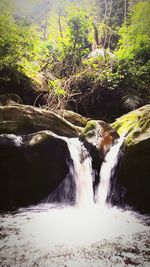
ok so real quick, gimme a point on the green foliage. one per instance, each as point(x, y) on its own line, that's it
point(135, 33)
point(56, 86)
point(129, 70)
point(74, 42)
point(133, 56)
point(20, 46)
point(136, 83)
point(52, 47)
point(102, 69)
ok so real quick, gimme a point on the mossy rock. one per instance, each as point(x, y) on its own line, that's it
point(135, 124)
point(100, 134)
point(89, 129)
point(134, 171)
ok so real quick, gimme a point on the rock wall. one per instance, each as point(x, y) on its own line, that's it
point(133, 181)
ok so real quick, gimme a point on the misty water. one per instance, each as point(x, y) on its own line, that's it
point(87, 233)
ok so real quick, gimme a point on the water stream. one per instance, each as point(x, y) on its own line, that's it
point(82, 173)
point(107, 171)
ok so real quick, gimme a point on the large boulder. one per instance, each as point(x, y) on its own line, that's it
point(133, 182)
point(100, 135)
point(23, 119)
point(31, 167)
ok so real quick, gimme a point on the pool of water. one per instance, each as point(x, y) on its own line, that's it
point(62, 235)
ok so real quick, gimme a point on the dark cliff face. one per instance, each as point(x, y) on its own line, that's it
point(32, 170)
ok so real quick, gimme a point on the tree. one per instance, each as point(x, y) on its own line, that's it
point(74, 40)
point(134, 55)
point(109, 17)
point(135, 33)
point(20, 47)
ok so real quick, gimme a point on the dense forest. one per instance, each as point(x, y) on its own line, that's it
point(92, 57)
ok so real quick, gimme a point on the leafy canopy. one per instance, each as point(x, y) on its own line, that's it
point(135, 32)
point(20, 46)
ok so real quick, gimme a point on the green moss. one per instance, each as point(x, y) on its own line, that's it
point(126, 123)
point(88, 131)
point(135, 124)
point(145, 124)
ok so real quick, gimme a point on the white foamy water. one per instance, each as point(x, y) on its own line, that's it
point(107, 170)
point(49, 226)
point(82, 172)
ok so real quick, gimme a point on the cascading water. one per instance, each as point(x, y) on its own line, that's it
point(82, 174)
point(107, 171)
point(77, 187)
point(87, 234)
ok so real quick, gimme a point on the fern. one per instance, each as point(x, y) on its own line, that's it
point(131, 100)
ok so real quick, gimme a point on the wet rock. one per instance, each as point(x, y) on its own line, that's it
point(133, 180)
point(23, 119)
point(31, 166)
point(100, 135)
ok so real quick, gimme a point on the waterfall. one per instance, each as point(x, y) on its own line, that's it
point(82, 172)
point(107, 171)
point(84, 234)
point(79, 182)
point(77, 187)
point(63, 231)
